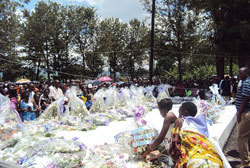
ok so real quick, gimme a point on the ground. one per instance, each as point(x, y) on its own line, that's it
point(231, 150)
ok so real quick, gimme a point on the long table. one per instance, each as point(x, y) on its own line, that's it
point(219, 131)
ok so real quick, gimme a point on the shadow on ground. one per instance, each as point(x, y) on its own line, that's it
point(231, 149)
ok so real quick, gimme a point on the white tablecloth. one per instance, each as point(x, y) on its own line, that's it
point(219, 131)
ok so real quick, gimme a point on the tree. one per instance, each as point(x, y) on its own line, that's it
point(9, 37)
point(37, 37)
point(136, 44)
point(179, 26)
point(111, 38)
point(82, 24)
point(230, 27)
point(53, 33)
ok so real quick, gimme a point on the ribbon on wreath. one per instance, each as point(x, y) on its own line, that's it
point(139, 113)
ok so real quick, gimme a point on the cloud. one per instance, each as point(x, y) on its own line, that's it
point(122, 9)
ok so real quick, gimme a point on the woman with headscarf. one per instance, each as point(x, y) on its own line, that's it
point(190, 145)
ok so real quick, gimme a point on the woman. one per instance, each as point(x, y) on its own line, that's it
point(165, 107)
point(14, 102)
point(45, 100)
point(28, 112)
point(190, 147)
point(37, 103)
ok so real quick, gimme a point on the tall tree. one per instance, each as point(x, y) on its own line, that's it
point(52, 33)
point(9, 37)
point(180, 27)
point(136, 44)
point(83, 24)
point(230, 22)
point(111, 39)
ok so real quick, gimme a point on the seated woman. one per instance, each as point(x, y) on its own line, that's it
point(27, 110)
point(190, 147)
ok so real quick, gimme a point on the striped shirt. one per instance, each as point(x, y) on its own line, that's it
point(243, 91)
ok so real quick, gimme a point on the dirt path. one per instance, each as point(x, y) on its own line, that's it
point(231, 150)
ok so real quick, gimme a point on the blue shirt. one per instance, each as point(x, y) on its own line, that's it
point(243, 91)
point(88, 104)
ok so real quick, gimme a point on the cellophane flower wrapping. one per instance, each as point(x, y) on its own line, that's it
point(216, 98)
point(210, 110)
point(161, 93)
point(138, 139)
point(110, 98)
point(149, 99)
point(107, 156)
point(52, 111)
point(98, 105)
point(77, 107)
point(7, 115)
point(26, 144)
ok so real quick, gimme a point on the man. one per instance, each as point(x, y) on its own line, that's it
point(226, 88)
point(165, 105)
point(32, 91)
point(55, 92)
point(243, 116)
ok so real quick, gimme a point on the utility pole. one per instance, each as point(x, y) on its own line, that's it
point(151, 60)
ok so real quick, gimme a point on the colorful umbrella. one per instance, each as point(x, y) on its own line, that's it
point(21, 81)
point(105, 79)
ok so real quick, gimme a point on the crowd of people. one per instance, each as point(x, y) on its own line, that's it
point(30, 100)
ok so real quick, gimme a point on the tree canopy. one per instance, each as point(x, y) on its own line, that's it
point(68, 42)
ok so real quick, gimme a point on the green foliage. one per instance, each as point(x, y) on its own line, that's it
point(204, 71)
point(136, 42)
point(198, 72)
point(111, 38)
point(190, 37)
point(172, 74)
point(9, 38)
point(235, 69)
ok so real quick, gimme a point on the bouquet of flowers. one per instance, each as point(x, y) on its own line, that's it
point(211, 111)
point(98, 105)
point(8, 114)
point(54, 110)
point(110, 99)
point(217, 98)
point(149, 94)
point(77, 106)
point(107, 156)
point(161, 93)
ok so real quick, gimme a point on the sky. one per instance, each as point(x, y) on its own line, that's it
point(125, 10)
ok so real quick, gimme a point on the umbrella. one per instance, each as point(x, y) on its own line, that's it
point(21, 81)
point(120, 83)
point(105, 79)
point(97, 82)
point(88, 81)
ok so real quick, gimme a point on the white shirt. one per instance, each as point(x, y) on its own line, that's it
point(55, 92)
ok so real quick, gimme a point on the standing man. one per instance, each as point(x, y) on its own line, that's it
point(55, 92)
point(226, 88)
point(243, 116)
